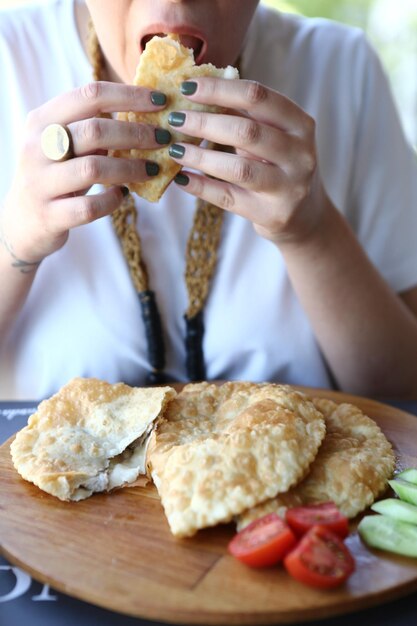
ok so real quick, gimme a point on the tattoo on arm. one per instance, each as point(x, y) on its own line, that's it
point(24, 267)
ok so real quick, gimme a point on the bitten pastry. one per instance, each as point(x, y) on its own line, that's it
point(163, 66)
point(89, 437)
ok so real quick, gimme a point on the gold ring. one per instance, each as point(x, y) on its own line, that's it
point(56, 143)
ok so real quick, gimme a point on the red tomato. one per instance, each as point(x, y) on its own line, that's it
point(302, 518)
point(264, 542)
point(320, 559)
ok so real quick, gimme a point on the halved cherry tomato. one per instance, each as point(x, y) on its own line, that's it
point(264, 542)
point(302, 518)
point(320, 559)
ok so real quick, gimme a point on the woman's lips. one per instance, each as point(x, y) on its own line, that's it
point(195, 42)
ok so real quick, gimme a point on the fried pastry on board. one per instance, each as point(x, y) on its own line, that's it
point(351, 468)
point(222, 449)
point(89, 437)
point(163, 66)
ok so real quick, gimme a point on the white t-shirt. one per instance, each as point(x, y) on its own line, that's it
point(82, 316)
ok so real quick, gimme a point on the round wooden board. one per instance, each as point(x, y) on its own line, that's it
point(116, 551)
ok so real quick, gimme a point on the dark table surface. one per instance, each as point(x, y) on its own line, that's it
point(26, 602)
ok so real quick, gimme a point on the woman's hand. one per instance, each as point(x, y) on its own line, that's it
point(48, 198)
point(272, 178)
point(273, 181)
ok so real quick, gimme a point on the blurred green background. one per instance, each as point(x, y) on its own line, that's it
point(391, 26)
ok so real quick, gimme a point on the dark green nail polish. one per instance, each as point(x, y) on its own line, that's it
point(188, 88)
point(176, 119)
point(125, 191)
point(158, 98)
point(152, 169)
point(162, 136)
point(182, 179)
point(176, 151)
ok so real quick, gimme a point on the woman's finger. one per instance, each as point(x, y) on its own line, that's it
point(255, 138)
point(83, 172)
point(67, 213)
point(267, 213)
point(96, 133)
point(264, 104)
point(244, 172)
point(94, 98)
point(223, 195)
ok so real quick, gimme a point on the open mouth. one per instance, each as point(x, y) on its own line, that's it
point(195, 42)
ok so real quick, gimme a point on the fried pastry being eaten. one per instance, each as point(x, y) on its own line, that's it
point(351, 469)
point(163, 66)
point(222, 449)
point(89, 437)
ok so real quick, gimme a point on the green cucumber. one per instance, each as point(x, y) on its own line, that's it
point(386, 533)
point(392, 507)
point(409, 474)
point(405, 490)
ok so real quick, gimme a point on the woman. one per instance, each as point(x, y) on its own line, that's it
point(316, 276)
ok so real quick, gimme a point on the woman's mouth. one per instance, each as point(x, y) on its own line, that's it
point(194, 41)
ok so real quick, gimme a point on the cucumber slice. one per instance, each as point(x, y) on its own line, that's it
point(409, 474)
point(405, 490)
point(397, 509)
point(386, 533)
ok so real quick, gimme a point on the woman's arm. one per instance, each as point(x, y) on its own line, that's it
point(367, 333)
point(16, 280)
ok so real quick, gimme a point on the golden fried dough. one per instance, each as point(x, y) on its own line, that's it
point(222, 449)
point(351, 468)
point(88, 437)
point(163, 66)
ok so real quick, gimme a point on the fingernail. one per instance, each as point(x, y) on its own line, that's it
point(182, 179)
point(158, 98)
point(125, 191)
point(152, 169)
point(188, 88)
point(176, 151)
point(176, 119)
point(162, 136)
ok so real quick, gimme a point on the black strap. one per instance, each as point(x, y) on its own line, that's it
point(154, 337)
point(194, 332)
point(194, 361)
